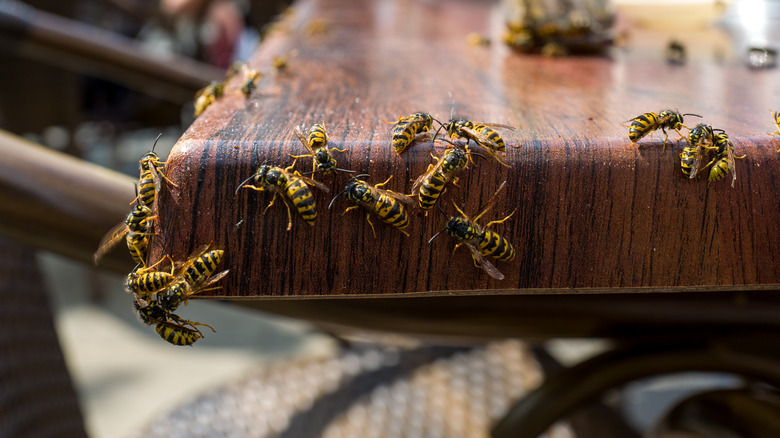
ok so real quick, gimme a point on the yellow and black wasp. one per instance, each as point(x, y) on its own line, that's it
point(317, 143)
point(135, 230)
point(251, 76)
point(171, 327)
point(208, 95)
point(195, 275)
point(287, 185)
point(776, 119)
point(408, 127)
point(430, 185)
point(481, 241)
point(149, 184)
point(690, 158)
point(724, 159)
point(147, 281)
point(386, 204)
point(646, 123)
point(482, 134)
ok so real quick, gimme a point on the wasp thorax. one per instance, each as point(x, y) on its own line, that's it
point(457, 227)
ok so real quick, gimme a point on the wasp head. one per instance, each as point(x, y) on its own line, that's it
point(359, 191)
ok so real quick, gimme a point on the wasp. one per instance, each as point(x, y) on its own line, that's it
point(150, 172)
point(147, 281)
point(208, 95)
point(776, 119)
point(168, 325)
point(386, 204)
point(251, 76)
point(690, 158)
point(648, 122)
point(317, 143)
point(407, 128)
point(287, 185)
point(430, 185)
point(135, 229)
point(724, 159)
point(482, 134)
point(481, 241)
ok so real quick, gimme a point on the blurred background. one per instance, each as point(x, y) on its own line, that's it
point(101, 79)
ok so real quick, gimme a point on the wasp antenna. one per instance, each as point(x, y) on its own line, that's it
point(441, 125)
point(479, 155)
point(242, 184)
point(156, 140)
point(335, 197)
point(435, 236)
point(691, 114)
point(345, 170)
point(441, 210)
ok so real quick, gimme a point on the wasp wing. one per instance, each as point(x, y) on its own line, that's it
point(302, 137)
point(205, 286)
point(180, 267)
point(500, 125)
point(730, 157)
point(419, 181)
point(696, 162)
point(483, 263)
point(395, 195)
point(312, 182)
point(109, 240)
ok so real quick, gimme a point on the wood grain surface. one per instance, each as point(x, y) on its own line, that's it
point(592, 213)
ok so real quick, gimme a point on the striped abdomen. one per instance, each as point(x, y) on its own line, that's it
point(202, 267)
point(177, 335)
point(138, 245)
point(318, 137)
point(391, 211)
point(641, 126)
point(302, 198)
point(687, 157)
point(431, 189)
point(493, 245)
point(492, 135)
point(719, 169)
point(148, 283)
point(146, 188)
point(407, 128)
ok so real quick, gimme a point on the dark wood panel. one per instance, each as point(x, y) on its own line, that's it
point(591, 211)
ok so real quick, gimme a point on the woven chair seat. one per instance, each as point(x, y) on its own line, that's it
point(366, 391)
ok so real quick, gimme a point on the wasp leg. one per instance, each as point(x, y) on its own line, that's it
point(289, 215)
point(249, 186)
point(373, 231)
point(293, 164)
point(166, 178)
point(386, 181)
point(348, 209)
point(300, 156)
point(460, 211)
point(456, 247)
point(500, 221)
point(337, 149)
point(270, 203)
point(149, 268)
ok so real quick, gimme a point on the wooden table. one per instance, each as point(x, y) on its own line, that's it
point(610, 239)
